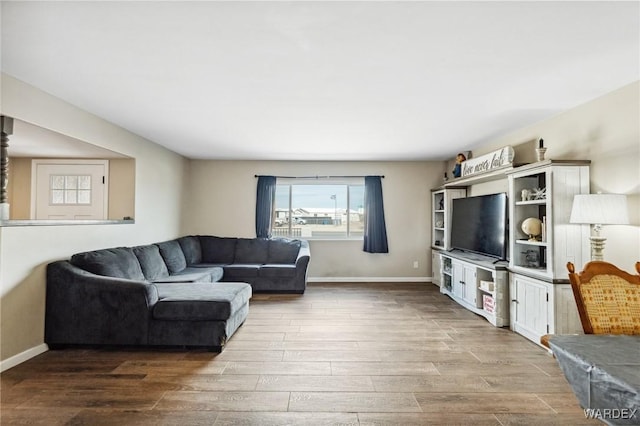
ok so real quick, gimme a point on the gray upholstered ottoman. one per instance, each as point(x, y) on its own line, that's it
point(198, 314)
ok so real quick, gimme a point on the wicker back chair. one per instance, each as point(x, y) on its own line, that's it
point(608, 298)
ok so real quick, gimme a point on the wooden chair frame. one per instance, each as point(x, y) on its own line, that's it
point(591, 269)
point(577, 279)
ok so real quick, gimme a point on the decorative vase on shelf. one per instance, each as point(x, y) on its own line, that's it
point(540, 150)
point(532, 226)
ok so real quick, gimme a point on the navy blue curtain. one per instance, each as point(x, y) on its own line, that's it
point(375, 229)
point(265, 198)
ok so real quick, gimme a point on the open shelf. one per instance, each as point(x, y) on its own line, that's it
point(441, 204)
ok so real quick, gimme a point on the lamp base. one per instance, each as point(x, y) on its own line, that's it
point(597, 246)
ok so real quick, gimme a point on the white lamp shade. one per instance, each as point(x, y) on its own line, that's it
point(601, 209)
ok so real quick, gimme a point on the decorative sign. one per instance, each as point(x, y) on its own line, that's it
point(488, 162)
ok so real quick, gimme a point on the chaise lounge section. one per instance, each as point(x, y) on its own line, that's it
point(191, 291)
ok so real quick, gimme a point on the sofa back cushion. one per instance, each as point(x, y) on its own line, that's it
point(117, 262)
point(217, 249)
point(283, 251)
point(151, 262)
point(173, 256)
point(252, 250)
point(191, 248)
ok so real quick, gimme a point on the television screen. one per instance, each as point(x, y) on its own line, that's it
point(479, 225)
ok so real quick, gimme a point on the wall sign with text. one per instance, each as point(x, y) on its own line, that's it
point(488, 162)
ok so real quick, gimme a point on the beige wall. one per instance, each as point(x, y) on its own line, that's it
point(19, 188)
point(122, 188)
point(222, 202)
point(160, 177)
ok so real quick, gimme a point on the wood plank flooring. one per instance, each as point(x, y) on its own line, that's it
point(341, 354)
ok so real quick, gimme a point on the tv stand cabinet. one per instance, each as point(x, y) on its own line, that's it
point(478, 283)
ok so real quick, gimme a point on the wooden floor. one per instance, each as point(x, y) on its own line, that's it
point(348, 354)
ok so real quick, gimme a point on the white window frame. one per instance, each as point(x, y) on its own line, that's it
point(348, 182)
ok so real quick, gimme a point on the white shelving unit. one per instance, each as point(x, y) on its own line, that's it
point(532, 294)
point(541, 298)
point(441, 203)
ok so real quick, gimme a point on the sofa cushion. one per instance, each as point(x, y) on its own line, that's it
point(191, 248)
point(191, 275)
point(251, 250)
point(277, 271)
point(173, 256)
point(217, 249)
point(200, 301)
point(117, 262)
point(151, 262)
point(283, 250)
point(240, 270)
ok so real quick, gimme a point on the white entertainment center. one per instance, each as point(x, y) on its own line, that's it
point(530, 291)
point(478, 283)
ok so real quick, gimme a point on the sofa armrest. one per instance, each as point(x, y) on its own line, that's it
point(304, 250)
point(84, 308)
point(302, 263)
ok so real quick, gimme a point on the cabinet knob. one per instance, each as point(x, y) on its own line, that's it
point(514, 300)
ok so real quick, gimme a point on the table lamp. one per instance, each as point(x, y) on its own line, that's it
point(597, 210)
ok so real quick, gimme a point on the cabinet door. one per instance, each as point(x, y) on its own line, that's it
point(435, 268)
point(470, 289)
point(457, 273)
point(531, 307)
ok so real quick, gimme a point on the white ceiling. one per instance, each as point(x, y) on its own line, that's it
point(322, 80)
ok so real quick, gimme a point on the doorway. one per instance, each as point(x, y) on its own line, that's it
point(70, 189)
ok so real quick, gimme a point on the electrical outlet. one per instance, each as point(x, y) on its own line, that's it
point(416, 264)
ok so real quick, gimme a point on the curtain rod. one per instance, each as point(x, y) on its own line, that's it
point(319, 177)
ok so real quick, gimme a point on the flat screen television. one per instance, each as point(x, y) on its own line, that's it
point(479, 225)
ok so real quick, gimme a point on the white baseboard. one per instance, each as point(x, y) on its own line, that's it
point(369, 279)
point(23, 356)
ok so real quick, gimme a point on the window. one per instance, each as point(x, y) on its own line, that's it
point(71, 189)
point(326, 210)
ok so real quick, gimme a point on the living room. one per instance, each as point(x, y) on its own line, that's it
point(176, 195)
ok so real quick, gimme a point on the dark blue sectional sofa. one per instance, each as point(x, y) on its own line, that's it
point(191, 291)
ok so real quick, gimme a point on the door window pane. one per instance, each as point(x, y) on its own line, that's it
point(57, 196)
point(70, 197)
point(84, 196)
point(57, 182)
point(84, 182)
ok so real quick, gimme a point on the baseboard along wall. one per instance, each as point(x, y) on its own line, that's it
point(23, 356)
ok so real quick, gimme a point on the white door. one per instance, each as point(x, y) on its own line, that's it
point(458, 279)
point(470, 286)
point(69, 189)
point(531, 308)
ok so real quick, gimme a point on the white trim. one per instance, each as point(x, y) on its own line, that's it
point(370, 279)
point(23, 356)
